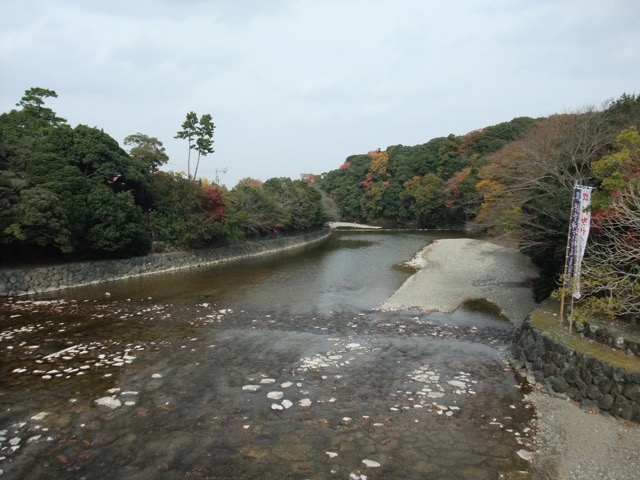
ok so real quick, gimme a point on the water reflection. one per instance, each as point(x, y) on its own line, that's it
point(353, 271)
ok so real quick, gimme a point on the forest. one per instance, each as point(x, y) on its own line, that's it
point(73, 193)
point(514, 181)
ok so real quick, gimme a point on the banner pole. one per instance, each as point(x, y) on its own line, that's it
point(567, 281)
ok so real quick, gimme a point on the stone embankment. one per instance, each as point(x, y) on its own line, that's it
point(27, 281)
point(585, 378)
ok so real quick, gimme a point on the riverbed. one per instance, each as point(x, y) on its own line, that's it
point(165, 387)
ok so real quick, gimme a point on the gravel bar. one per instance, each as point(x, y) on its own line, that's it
point(572, 444)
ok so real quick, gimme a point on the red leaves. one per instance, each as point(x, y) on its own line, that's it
point(212, 204)
point(367, 181)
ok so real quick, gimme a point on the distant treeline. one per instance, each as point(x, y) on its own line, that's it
point(73, 192)
point(513, 179)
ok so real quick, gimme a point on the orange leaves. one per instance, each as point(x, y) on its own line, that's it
point(379, 161)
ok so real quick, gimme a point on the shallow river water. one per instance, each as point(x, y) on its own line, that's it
point(271, 369)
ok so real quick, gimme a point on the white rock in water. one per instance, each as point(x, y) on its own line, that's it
point(371, 463)
point(525, 455)
point(286, 384)
point(275, 395)
point(155, 375)
point(435, 394)
point(287, 403)
point(331, 454)
point(305, 402)
point(276, 406)
point(251, 388)
point(109, 402)
point(40, 416)
point(268, 380)
point(457, 383)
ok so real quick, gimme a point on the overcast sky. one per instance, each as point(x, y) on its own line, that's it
point(297, 86)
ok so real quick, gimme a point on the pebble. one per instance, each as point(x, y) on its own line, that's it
point(371, 463)
point(275, 395)
point(109, 402)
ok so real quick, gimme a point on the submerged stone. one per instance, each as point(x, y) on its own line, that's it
point(109, 402)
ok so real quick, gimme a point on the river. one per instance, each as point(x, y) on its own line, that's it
point(269, 369)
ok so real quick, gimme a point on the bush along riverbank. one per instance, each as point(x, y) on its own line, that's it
point(572, 366)
point(28, 281)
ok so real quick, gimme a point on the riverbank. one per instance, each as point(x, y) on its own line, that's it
point(453, 271)
point(18, 282)
point(571, 443)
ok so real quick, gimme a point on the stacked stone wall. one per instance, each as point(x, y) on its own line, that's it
point(578, 376)
point(28, 281)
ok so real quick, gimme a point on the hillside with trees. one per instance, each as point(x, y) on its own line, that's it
point(514, 181)
point(69, 193)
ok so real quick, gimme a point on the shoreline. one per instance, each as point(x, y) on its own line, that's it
point(570, 443)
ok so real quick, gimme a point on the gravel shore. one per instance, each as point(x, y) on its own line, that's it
point(572, 444)
point(453, 271)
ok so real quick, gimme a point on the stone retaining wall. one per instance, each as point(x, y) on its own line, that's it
point(17, 282)
point(566, 373)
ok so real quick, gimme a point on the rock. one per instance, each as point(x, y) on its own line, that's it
point(605, 402)
point(251, 388)
point(525, 455)
point(275, 395)
point(571, 375)
point(457, 383)
point(287, 404)
point(559, 384)
point(435, 394)
point(305, 402)
point(371, 463)
point(593, 392)
point(632, 392)
point(622, 408)
point(109, 402)
point(276, 406)
point(331, 454)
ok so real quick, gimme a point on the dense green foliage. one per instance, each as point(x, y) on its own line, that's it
point(513, 180)
point(74, 192)
point(425, 186)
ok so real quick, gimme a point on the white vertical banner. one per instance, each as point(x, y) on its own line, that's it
point(582, 234)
